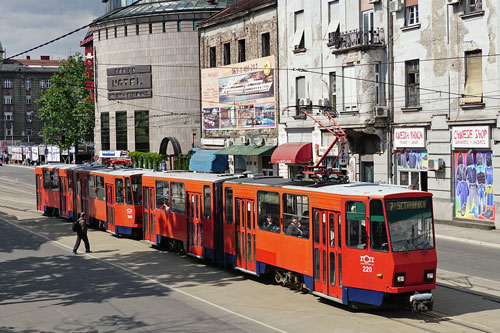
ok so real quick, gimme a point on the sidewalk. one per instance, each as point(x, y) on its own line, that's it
point(481, 237)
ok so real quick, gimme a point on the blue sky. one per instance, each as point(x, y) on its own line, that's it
point(27, 23)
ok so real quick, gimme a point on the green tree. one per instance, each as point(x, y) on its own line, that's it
point(67, 118)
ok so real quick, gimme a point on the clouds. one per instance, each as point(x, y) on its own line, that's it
point(25, 24)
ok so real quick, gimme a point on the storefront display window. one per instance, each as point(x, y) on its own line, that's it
point(412, 168)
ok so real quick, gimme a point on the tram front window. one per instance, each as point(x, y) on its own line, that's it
point(410, 224)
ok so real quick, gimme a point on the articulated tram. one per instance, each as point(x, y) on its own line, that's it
point(355, 243)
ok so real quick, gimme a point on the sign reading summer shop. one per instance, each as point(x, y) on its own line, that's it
point(239, 96)
point(130, 82)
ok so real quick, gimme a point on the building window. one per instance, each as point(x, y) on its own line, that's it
point(8, 131)
point(116, 32)
point(473, 92)
point(106, 33)
point(29, 132)
point(241, 51)
point(179, 26)
point(227, 54)
point(99, 35)
point(125, 31)
point(164, 26)
point(121, 130)
point(266, 44)
point(472, 6)
point(7, 99)
point(300, 89)
point(29, 117)
point(105, 142)
point(150, 28)
point(213, 57)
point(195, 25)
point(28, 100)
point(7, 116)
point(379, 85)
point(411, 15)
point(28, 84)
point(412, 83)
point(43, 84)
point(47, 84)
point(7, 84)
point(350, 89)
point(141, 131)
point(368, 27)
point(333, 89)
point(136, 29)
point(299, 42)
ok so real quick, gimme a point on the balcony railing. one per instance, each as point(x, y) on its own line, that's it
point(354, 39)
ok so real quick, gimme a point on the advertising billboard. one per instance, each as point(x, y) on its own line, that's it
point(239, 96)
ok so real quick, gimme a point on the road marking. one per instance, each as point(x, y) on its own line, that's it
point(150, 280)
point(468, 241)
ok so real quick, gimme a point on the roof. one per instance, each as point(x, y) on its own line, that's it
point(162, 7)
point(239, 6)
point(34, 62)
point(247, 150)
point(199, 176)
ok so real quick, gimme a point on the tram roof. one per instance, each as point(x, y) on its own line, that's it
point(210, 177)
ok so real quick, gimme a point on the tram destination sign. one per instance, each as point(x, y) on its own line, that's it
point(129, 82)
point(398, 205)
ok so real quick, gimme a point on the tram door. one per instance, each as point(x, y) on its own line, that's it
point(326, 252)
point(110, 208)
point(39, 184)
point(195, 227)
point(63, 196)
point(245, 234)
point(148, 217)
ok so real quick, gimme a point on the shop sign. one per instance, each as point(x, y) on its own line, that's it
point(89, 69)
point(131, 82)
point(112, 153)
point(470, 137)
point(212, 141)
point(409, 137)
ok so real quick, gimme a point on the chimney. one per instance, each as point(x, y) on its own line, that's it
point(44, 57)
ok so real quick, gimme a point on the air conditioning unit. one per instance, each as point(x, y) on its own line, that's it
point(373, 1)
point(396, 5)
point(453, 2)
point(305, 101)
point(324, 102)
point(380, 112)
point(435, 164)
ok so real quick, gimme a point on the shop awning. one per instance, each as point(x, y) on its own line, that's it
point(247, 150)
point(293, 153)
point(204, 160)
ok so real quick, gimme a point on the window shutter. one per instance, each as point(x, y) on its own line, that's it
point(474, 79)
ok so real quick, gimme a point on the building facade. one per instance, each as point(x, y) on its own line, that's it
point(239, 81)
point(22, 81)
point(147, 81)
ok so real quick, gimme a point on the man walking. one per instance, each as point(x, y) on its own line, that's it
point(80, 227)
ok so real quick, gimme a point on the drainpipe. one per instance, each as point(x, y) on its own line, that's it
point(390, 118)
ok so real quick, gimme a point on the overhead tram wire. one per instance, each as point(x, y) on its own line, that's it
point(69, 33)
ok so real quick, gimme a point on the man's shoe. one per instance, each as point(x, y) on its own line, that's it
point(88, 251)
point(74, 252)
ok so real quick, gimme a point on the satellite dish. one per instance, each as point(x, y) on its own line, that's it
point(257, 140)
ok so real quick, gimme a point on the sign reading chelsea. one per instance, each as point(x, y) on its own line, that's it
point(129, 82)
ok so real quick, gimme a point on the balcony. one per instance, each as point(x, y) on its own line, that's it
point(356, 40)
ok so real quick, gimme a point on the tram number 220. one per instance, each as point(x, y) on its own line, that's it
point(367, 269)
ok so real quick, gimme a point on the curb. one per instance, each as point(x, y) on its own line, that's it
point(468, 241)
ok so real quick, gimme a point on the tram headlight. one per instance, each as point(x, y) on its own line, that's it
point(429, 275)
point(399, 278)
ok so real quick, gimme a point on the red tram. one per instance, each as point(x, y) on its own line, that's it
point(351, 243)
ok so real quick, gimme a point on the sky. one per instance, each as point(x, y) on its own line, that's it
point(25, 24)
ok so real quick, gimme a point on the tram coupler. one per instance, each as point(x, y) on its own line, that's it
point(421, 302)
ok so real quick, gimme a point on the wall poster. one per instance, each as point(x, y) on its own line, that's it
point(412, 159)
point(239, 96)
point(474, 185)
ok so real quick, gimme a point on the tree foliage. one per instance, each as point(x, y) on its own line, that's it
point(67, 118)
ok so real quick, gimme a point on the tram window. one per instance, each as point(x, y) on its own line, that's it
point(268, 206)
point(331, 224)
point(55, 180)
point(119, 191)
point(137, 190)
point(162, 196)
point(78, 184)
point(178, 197)
point(295, 205)
point(92, 186)
point(70, 182)
point(207, 202)
point(378, 231)
point(316, 227)
point(100, 187)
point(316, 264)
point(128, 192)
point(228, 194)
point(47, 182)
point(356, 224)
point(339, 230)
point(332, 268)
point(237, 213)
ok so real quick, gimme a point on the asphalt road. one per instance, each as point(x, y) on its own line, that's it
point(126, 285)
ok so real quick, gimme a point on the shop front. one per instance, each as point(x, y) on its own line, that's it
point(411, 157)
point(473, 173)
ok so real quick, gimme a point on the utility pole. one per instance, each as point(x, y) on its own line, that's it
point(390, 119)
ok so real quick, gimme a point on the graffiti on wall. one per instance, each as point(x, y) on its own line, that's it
point(474, 185)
